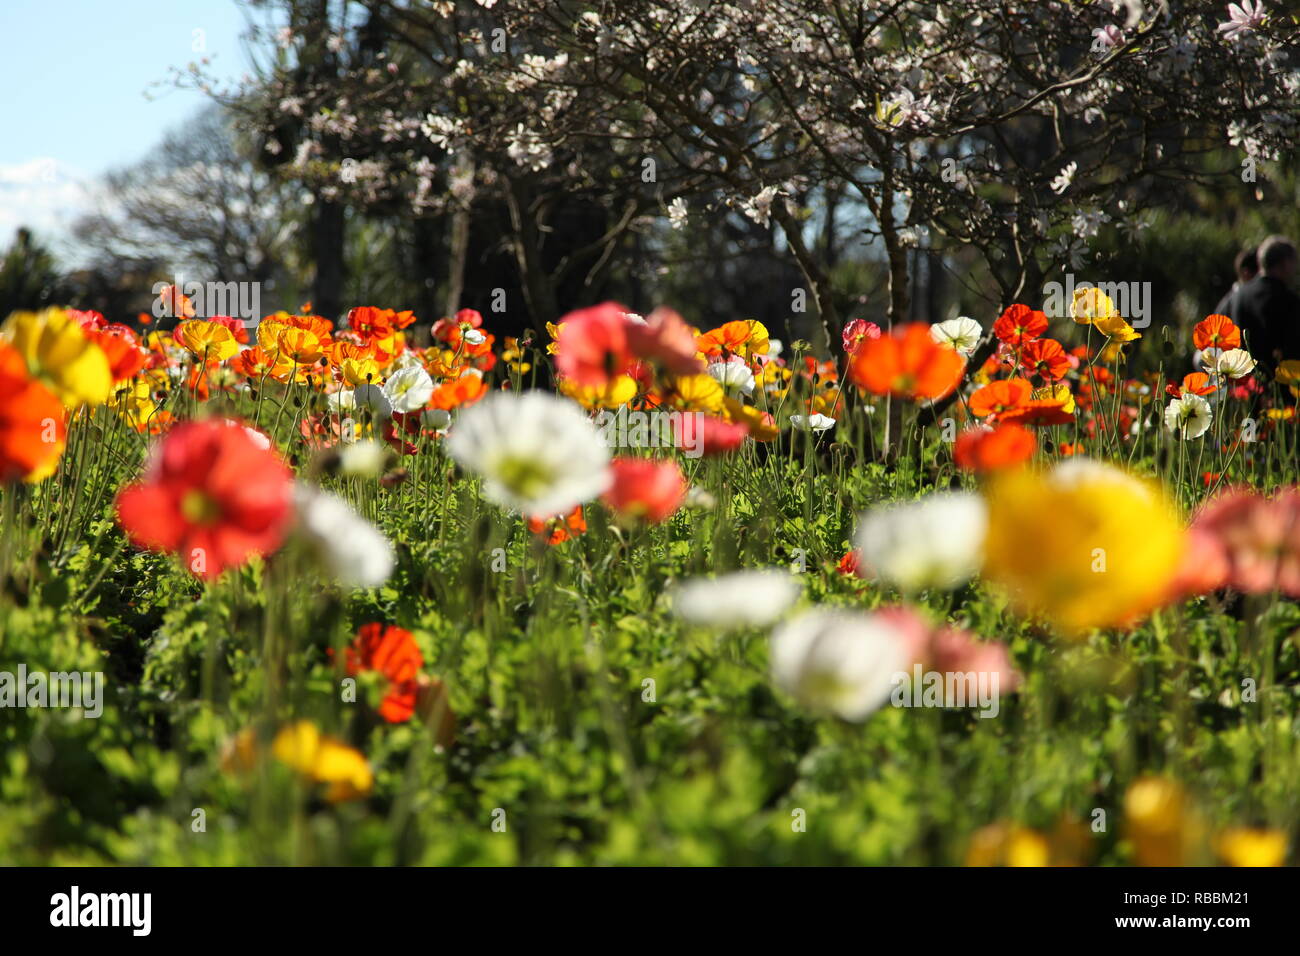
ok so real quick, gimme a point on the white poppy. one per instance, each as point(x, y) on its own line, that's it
point(733, 375)
point(935, 542)
point(350, 548)
point(1235, 363)
point(816, 423)
point(1188, 416)
point(374, 398)
point(751, 598)
point(363, 459)
point(537, 453)
point(961, 334)
point(840, 662)
point(408, 389)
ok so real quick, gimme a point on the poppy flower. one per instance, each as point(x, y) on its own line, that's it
point(857, 332)
point(1019, 325)
point(709, 435)
point(907, 363)
point(1216, 332)
point(593, 344)
point(466, 390)
point(1045, 358)
point(1040, 412)
point(851, 563)
point(212, 494)
point(745, 337)
point(645, 489)
point(210, 341)
point(1259, 537)
point(59, 353)
point(1000, 396)
point(559, 530)
point(31, 422)
point(392, 652)
point(118, 343)
point(324, 759)
point(1196, 383)
point(666, 339)
point(982, 449)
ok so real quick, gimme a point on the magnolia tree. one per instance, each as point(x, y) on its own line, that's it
point(1013, 131)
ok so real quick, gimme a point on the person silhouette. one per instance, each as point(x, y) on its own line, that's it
point(1266, 309)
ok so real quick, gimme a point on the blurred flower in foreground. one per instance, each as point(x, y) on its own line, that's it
point(1009, 844)
point(1254, 540)
point(645, 489)
point(839, 662)
point(934, 542)
point(1249, 846)
point(536, 453)
point(1085, 544)
point(32, 431)
point(750, 598)
point(353, 550)
point(210, 494)
point(1159, 822)
point(907, 363)
point(58, 351)
point(982, 449)
point(324, 759)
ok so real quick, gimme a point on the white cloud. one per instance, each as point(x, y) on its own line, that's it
point(44, 195)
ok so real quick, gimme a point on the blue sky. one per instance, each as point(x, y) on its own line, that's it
point(76, 77)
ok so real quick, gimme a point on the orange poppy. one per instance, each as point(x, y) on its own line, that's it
point(1045, 358)
point(908, 363)
point(982, 449)
point(1216, 332)
point(1038, 412)
point(466, 390)
point(1020, 324)
point(392, 652)
point(31, 421)
point(1000, 396)
point(560, 529)
point(1197, 383)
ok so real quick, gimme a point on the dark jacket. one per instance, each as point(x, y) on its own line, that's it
point(1269, 316)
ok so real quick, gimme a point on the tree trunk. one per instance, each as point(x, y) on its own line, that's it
point(327, 255)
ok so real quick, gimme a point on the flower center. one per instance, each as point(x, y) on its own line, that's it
point(525, 477)
point(199, 508)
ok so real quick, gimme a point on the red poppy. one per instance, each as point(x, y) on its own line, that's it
point(982, 449)
point(213, 494)
point(907, 363)
point(1216, 332)
point(645, 489)
point(1000, 396)
point(851, 563)
point(390, 651)
point(592, 347)
point(708, 435)
point(1019, 325)
point(1045, 358)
